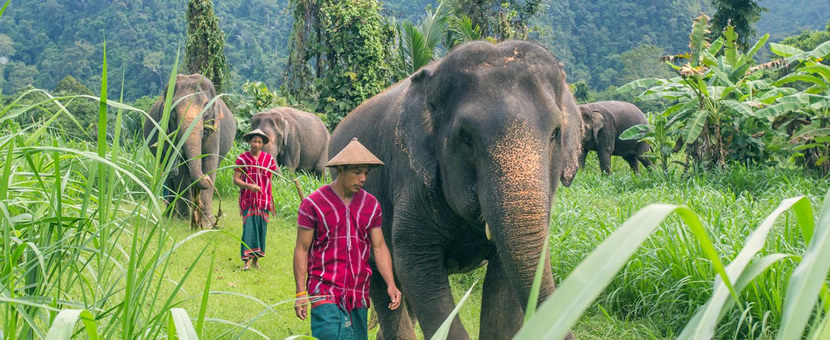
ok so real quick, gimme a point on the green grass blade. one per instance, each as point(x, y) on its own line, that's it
point(180, 326)
point(4, 7)
point(64, 324)
point(807, 279)
point(711, 313)
point(533, 299)
point(561, 310)
point(200, 321)
point(444, 330)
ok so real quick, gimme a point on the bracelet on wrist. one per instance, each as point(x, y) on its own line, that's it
point(302, 293)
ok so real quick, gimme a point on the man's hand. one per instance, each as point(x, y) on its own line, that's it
point(254, 188)
point(395, 296)
point(301, 307)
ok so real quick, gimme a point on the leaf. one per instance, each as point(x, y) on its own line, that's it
point(694, 126)
point(821, 51)
point(791, 78)
point(697, 38)
point(784, 50)
point(807, 278)
point(444, 330)
point(707, 318)
point(64, 325)
point(741, 108)
point(645, 82)
point(637, 132)
point(179, 325)
point(746, 58)
point(578, 291)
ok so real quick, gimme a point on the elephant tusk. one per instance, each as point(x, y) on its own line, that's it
point(487, 231)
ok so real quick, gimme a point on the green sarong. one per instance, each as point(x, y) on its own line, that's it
point(254, 226)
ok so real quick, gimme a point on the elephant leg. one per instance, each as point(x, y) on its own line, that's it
point(646, 162)
point(179, 196)
point(501, 311)
point(605, 161)
point(183, 204)
point(426, 285)
point(394, 324)
point(632, 162)
point(582, 157)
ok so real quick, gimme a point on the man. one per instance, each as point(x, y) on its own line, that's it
point(253, 177)
point(338, 224)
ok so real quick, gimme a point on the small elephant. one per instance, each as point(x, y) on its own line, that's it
point(209, 140)
point(299, 140)
point(475, 146)
point(603, 123)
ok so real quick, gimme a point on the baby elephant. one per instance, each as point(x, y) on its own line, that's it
point(603, 122)
point(299, 140)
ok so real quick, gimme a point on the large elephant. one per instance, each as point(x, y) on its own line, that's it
point(603, 123)
point(299, 140)
point(209, 140)
point(475, 146)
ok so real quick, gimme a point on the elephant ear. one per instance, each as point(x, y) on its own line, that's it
point(415, 133)
point(598, 122)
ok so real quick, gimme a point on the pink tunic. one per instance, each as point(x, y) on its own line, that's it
point(338, 262)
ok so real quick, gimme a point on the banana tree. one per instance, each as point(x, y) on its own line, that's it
point(713, 95)
point(805, 113)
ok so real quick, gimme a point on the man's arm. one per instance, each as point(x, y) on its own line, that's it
point(384, 262)
point(237, 179)
point(304, 238)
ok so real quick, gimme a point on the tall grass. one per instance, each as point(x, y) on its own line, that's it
point(83, 237)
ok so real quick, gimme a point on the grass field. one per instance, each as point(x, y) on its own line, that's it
point(653, 297)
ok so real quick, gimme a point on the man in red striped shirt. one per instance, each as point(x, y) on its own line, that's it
point(253, 177)
point(338, 224)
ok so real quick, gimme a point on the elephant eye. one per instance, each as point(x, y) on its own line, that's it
point(555, 135)
point(466, 139)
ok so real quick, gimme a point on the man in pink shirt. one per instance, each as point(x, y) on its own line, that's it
point(253, 177)
point(338, 224)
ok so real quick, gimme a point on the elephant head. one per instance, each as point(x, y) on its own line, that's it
point(275, 124)
point(195, 112)
point(494, 129)
point(592, 122)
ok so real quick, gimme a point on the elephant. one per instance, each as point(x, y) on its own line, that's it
point(299, 140)
point(209, 140)
point(603, 123)
point(475, 146)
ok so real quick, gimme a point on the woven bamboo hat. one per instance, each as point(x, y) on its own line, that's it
point(247, 137)
point(354, 154)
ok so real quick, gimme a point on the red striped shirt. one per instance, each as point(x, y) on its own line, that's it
point(256, 171)
point(338, 262)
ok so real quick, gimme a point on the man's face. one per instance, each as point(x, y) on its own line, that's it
point(256, 143)
point(353, 177)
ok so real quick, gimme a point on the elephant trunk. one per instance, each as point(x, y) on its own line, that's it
point(516, 206)
point(193, 146)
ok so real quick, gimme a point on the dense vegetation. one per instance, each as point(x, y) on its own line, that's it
point(47, 40)
point(83, 236)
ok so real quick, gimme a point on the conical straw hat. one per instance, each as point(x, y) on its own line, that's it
point(354, 154)
point(247, 137)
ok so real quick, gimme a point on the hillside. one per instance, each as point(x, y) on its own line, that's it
point(42, 41)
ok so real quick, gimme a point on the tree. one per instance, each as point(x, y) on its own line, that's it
point(340, 54)
point(500, 19)
point(205, 49)
point(741, 14)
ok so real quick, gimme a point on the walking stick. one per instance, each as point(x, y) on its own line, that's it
point(299, 189)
